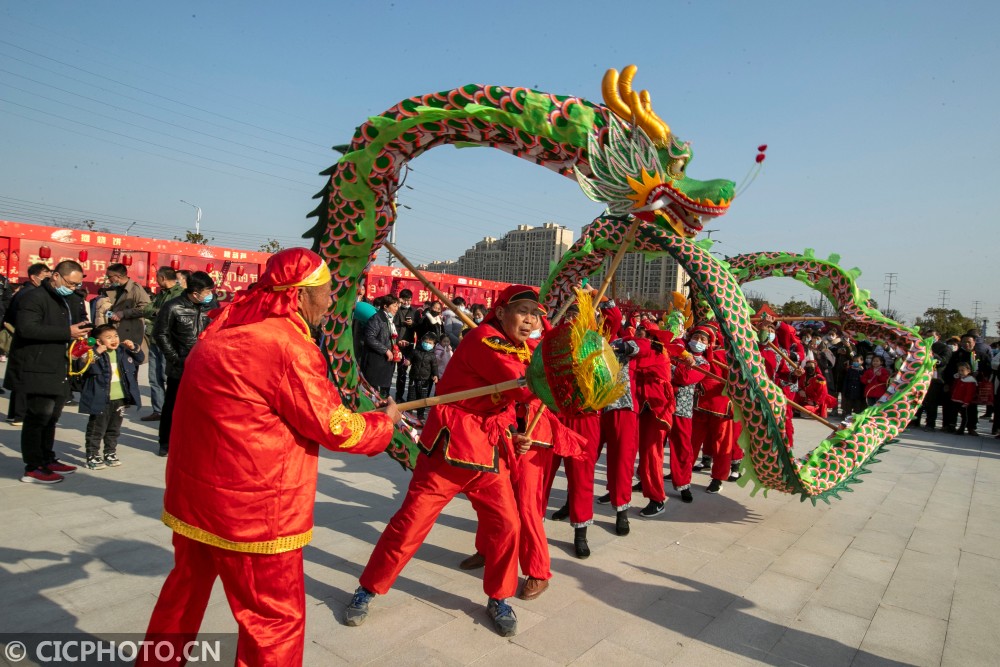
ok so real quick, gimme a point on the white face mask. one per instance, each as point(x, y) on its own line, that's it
point(697, 346)
point(536, 334)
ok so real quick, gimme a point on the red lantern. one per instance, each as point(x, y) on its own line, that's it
point(83, 255)
point(209, 268)
point(175, 264)
point(44, 252)
point(240, 270)
point(127, 260)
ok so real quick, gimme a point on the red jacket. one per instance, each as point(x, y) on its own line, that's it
point(653, 389)
point(473, 431)
point(965, 390)
point(253, 407)
point(876, 382)
point(711, 399)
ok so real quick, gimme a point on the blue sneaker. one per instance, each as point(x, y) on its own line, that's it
point(357, 611)
point(503, 617)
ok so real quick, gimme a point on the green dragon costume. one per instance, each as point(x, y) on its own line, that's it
point(623, 155)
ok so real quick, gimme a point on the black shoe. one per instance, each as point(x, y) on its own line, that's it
point(621, 523)
point(605, 499)
point(637, 486)
point(72, 401)
point(698, 466)
point(686, 496)
point(561, 514)
point(163, 451)
point(580, 545)
point(734, 472)
point(652, 509)
point(714, 487)
point(668, 477)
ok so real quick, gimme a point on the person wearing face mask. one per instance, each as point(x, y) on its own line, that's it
point(423, 371)
point(381, 352)
point(49, 319)
point(175, 332)
point(431, 322)
point(469, 446)
point(687, 383)
point(813, 394)
point(779, 371)
point(127, 308)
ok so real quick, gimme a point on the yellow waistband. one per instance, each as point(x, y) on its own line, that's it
point(276, 546)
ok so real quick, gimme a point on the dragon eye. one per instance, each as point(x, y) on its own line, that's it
point(676, 167)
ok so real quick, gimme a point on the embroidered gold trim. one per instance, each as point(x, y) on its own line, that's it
point(277, 546)
point(342, 418)
point(523, 353)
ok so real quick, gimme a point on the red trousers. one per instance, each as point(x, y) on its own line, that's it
point(652, 438)
point(529, 479)
point(266, 594)
point(579, 472)
point(681, 452)
point(716, 436)
point(620, 430)
point(434, 483)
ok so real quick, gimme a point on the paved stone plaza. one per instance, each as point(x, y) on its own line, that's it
point(906, 570)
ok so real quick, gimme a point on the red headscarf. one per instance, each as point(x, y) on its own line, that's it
point(276, 294)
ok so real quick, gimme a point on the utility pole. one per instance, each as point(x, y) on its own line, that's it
point(975, 309)
point(392, 239)
point(890, 287)
point(944, 298)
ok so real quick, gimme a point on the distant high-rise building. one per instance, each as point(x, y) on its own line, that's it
point(523, 255)
point(646, 281)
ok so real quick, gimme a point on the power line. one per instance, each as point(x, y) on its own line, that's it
point(148, 92)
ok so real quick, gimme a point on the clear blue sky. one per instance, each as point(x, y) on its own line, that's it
point(880, 119)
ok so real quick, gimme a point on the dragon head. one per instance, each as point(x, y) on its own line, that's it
point(639, 167)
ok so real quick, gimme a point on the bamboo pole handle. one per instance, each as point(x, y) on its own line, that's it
point(615, 262)
point(462, 395)
point(617, 259)
point(792, 403)
point(534, 421)
point(784, 355)
point(466, 320)
point(796, 318)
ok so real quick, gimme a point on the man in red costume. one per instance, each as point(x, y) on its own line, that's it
point(469, 447)
point(713, 428)
point(254, 406)
point(655, 396)
point(687, 382)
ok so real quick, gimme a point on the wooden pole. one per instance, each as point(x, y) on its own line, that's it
point(790, 401)
point(796, 318)
point(534, 421)
point(615, 261)
point(466, 320)
point(462, 395)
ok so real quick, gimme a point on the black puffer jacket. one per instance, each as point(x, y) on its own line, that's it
point(39, 363)
point(176, 330)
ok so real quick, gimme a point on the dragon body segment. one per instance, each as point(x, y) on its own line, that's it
point(622, 155)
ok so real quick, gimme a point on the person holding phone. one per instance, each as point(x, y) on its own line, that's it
point(49, 319)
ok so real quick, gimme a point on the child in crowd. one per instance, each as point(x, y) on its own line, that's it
point(443, 352)
point(423, 370)
point(964, 392)
point(853, 389)
point(110, 384)
point(876, 381)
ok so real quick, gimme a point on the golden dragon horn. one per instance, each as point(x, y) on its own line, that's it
point(633, 107)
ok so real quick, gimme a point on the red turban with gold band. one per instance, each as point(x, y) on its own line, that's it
point(276, 294)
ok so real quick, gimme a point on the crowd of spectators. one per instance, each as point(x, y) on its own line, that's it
point(59, 341)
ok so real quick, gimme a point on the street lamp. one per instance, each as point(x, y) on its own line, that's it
point(197, 217)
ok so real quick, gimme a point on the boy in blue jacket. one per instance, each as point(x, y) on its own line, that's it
point(110, 385)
